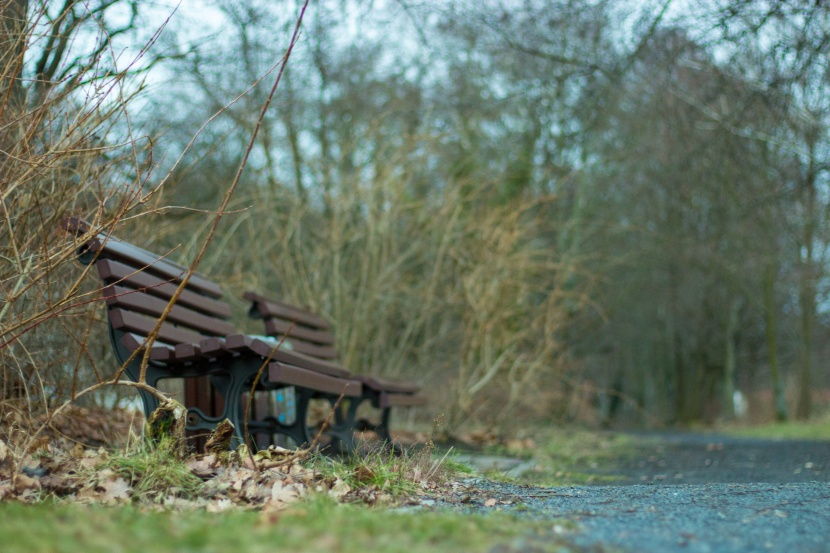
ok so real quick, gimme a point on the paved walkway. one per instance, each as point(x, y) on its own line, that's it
point(686, 493)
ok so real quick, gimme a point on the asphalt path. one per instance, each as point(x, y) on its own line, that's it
point(682, 493)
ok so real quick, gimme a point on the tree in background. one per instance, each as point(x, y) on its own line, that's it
point(516, 203)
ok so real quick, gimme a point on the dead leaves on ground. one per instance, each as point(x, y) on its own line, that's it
point(269, 480)
point(69, 462)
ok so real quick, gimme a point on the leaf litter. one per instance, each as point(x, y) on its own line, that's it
point(69, 462)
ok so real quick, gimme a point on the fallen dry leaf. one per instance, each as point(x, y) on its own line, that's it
point(364, 474)
point(339, 489)
point(116, 490)
point(42, 442)
point(219, 505)
point(203, 467)
point(23, 483)
point(284, 493)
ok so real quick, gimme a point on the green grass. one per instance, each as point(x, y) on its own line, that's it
point(317, 525)
point(382, 470)
point(395, 475)
point(573, 456)
point(457, 468)
point(818, 429)
point(152, 471)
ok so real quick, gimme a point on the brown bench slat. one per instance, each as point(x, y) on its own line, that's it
point(135, 300)
point(270, 308)
point(312, 350)
point(279, 327)
point(214, 347)
point(382, 385)
point(297, 376)
point(159, 352)
point(111, 270)
point(401, 400)
point(133, 255)
point(240, 343)
point(188, 352)
point(121, 319)
point(180, 353)
point(113, 247)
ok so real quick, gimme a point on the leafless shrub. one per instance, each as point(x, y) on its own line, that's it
point(452, 289)
point(66, 147)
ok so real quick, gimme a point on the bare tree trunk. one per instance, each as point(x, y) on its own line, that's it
point(13, 25)
point(729, 363)
point(772, 343)
point(807, 286)
point(807, 304)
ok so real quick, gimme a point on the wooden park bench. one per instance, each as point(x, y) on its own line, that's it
point(197, 343)
point(309, 334)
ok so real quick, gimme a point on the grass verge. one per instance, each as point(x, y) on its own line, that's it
point(317, 525)
point(572, 456)
point(817, 429)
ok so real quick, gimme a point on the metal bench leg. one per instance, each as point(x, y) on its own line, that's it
point(381, 428)
point(235, 406)
point(296, 429)
point(341, 428)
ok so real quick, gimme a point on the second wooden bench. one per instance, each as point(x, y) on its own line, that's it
point(309, 334)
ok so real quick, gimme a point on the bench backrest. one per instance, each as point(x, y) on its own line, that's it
point(139, 285)
point(304, 331)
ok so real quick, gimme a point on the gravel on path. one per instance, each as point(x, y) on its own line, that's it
point(698, 518)
point(684, 493)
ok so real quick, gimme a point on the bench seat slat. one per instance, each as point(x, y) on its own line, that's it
point(279, 327)
point(401, 400)
point(188, 352)
point(382, 385)
point(312, 350)
point(297, 376)
point(241, 343)
point(283, 355)
point(137, 300)
point(121, 319)
point(159, 352)
point(110, 271)
point(285, 311)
